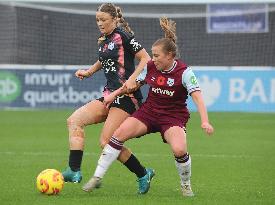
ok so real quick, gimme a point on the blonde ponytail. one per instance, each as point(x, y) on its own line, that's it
point(168, 43)
point(169, 28)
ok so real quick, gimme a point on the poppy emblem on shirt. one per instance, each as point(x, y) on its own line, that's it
point(161, 80)
point(111, 46)
point(170, 81)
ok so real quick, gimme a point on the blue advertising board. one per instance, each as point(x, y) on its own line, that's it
point(38, 88)
point(223, 90)
point(237, 90)
point(237, 18)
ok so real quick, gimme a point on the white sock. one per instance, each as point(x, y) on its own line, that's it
point(108, 156)
point(184, 170)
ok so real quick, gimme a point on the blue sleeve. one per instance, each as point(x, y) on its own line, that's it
point(189, 81)
point(142, 75)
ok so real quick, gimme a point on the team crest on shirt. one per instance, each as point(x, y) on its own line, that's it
point(111, 46)
point(170, 81)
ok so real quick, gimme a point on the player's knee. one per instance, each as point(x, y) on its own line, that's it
point(73, 122)
point(178, 151)
point(121, 133)
point(70, 121)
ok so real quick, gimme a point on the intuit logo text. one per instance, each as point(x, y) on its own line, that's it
point(163, 92)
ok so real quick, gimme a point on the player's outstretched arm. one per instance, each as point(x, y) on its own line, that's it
point(81, 74)
point(108, 99)
point(143, 58)
point(198, 100)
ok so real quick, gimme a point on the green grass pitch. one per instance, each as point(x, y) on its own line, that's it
point(234, 166)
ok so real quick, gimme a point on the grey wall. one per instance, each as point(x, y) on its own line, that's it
point(33, 36)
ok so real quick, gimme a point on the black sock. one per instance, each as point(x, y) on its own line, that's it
point(75, 159)
point(134, 166)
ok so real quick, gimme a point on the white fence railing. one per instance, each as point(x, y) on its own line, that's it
point(145, 1)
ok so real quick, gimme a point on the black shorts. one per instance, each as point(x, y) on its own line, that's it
point(126, 103)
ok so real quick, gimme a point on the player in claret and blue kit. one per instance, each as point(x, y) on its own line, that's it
point(165, 110)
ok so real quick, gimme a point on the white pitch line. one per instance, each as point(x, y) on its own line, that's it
point(138, 154)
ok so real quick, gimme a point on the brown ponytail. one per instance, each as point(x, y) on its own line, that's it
point(121, 21)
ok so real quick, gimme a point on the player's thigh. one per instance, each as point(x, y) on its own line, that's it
point(176, 137)
point(114, 119)
point(90, 113)
point(130, 128)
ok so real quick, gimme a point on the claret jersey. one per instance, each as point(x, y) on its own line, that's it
point(116, 55)
point(169, 89)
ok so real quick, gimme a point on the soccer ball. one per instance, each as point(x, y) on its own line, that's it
point(50, 181)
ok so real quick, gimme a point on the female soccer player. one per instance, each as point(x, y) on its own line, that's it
point(117, 51)
point(164, 111)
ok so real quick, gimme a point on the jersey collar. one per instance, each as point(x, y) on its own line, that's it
point(170, 69)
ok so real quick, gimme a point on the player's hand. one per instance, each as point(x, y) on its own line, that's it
point(131, 85)
point(108, 99)
point(207, 127)
point(81, 74)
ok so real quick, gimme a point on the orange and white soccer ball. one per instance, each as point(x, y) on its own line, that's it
point(50, 182)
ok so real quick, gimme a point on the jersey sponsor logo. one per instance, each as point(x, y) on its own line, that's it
point(163, 92)
point(170, 81)
point(108, 65)
point(161, 80)
point(135, 44)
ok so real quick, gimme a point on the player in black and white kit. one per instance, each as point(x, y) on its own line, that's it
point(117, 49)
point(116, 55)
